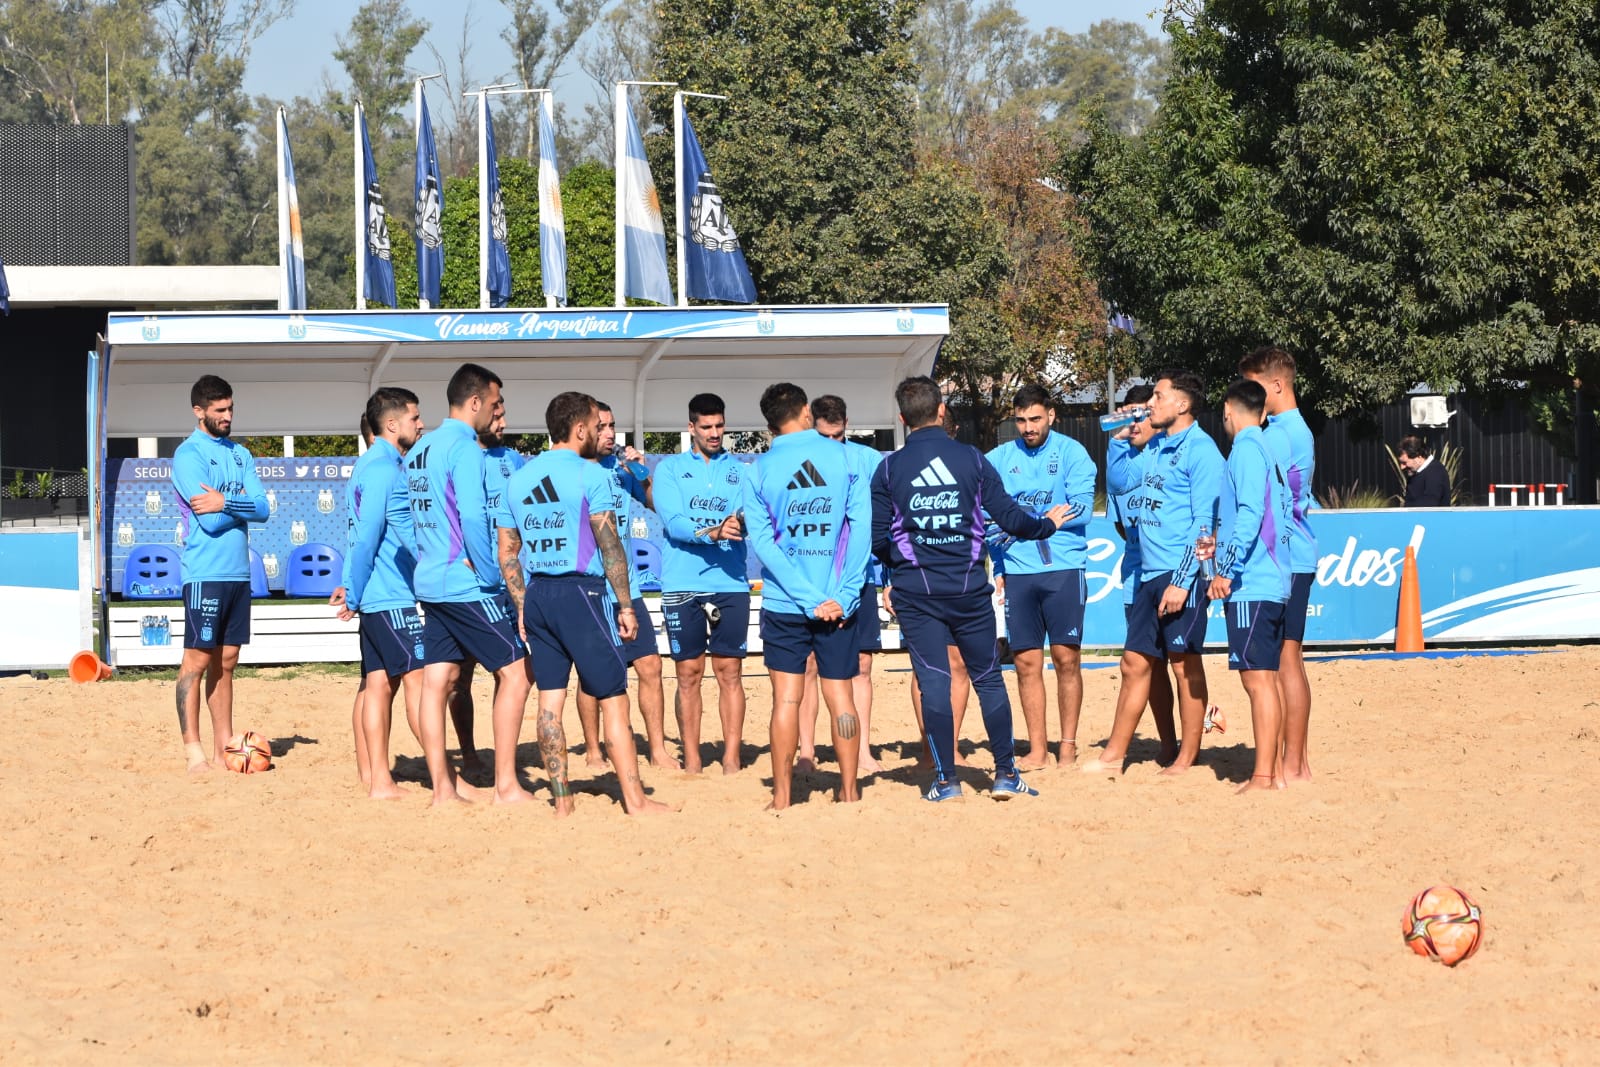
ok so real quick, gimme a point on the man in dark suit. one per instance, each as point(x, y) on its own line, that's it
point(1428, 485)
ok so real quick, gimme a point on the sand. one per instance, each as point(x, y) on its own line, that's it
point(283, 918)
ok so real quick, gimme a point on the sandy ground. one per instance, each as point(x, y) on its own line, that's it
point(283, 918)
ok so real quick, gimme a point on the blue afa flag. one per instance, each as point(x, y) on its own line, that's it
point(5, 291)
point(291, 248)
point(713, 263)
point(429, 213)
point(552, 223)
point(380, 267)
point(1123, 322)
point(499, 256)
point(644, 236)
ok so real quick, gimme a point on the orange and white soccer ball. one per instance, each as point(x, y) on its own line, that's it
point(247, 753)
point(1443, 924)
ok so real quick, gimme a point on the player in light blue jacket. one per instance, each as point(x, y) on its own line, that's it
point(1181, 478)
point(1041, 583)
point(219, 494)
point(809, 521)
point(459, 581)
point(378, 566)
point(1253, 570)
point(1295, 449)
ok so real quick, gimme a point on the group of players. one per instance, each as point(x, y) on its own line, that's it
point(523, 566)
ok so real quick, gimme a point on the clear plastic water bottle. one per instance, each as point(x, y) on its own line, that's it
point(1118, 420)
point(147, 630)
point(164, 630)
point(1205, 550)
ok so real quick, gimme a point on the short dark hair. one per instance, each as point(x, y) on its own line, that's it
point(564, 411)
point(703, 404)
point(1139, 394)
point(1248, 396)
point(782, 402)
point(207, 390)
point(1269, 359)
point(468, 381)
point(365, 426)
point(602, 405)
point(1415, 447)
point(918, 399)
point(1033, 394)
point(830, 408)
point(1189, 384)
point(389, 400)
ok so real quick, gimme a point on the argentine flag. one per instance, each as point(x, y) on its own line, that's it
point(291, 250)
point(552, 224)
point(713, 263)
point(429, 211)
point(499, 284)
point(375, 224)
point(644, 236)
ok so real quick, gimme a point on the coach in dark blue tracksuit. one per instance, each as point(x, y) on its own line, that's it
point(928, 505)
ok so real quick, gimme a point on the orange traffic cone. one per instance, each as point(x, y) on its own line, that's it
point(1408, 623)
point(87, 667)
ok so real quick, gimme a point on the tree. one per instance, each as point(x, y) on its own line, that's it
point(1397, 193)
point(537, 53)
point(970, 60)
point(1115, 67)
point(374, 51)
point(622, 49)
point(54, 59)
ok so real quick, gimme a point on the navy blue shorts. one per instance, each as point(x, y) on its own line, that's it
point(690, 631)
point(1255, 634)
point(644, 642)
point(1151, 633)
point(788, 640)
point(869, 627)
point(216, 614)
point(483, 630)
point(1294, 615)
point(1045, 607)
point(570, 619)
point(391, 641)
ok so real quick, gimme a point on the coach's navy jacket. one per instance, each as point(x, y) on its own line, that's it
point(928, 504)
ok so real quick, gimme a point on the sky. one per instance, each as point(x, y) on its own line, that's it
point(291, 58)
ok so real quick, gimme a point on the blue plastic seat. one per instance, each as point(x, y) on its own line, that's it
point(152, 573)
point(647, 561)
point(258, 576)
point(314, 571)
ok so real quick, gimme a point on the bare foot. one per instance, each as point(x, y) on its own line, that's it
point(692, 765)
point(386, 792)
point(1178, 767)
point(805, 764)
point(564, 807)
point(663, 761)
point(200, 767)
point(731, 765)
point(854, 797)
point(773, 805)
point(445, 800)
point(516, 795)
point(1102, 765)
point(1168, 754)
point(650, 807)
point(1298, 776)
point(868, 765)
point(961, 761)
point(1031, 764)
point(1069, 753)
point(595, 761)
point(1260, 783)
point(467, 790)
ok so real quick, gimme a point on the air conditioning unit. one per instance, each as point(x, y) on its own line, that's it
point(1429, 412)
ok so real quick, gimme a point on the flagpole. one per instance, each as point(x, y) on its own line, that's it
point(620, 123)
point(360, 183)
point(283, 219)
point(502, 89)
point(416, 123)
point(681, 220)
point(547, 104)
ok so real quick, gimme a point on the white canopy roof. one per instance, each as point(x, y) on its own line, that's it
point(311, 372)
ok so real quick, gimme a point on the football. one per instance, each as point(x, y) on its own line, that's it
point(248, 753)
point(1443, 924)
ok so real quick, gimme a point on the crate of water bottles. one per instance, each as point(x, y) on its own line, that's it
point(155, 630)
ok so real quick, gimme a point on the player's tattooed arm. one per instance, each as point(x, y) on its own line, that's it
point(604, 525)
point(511, 566)
point(553, 750)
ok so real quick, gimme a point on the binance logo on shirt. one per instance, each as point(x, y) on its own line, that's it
point(807, 477)
point(544, 493)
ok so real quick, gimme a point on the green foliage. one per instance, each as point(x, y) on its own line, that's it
point(1357, 496)
point(1396, 193)
point(19, 486)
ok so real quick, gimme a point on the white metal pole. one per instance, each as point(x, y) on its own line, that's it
point(547, 102)
point(283, 220)
point(360, 183)
point(416, 122)
point(619, 123)
point(483, 198)
point(680, 226)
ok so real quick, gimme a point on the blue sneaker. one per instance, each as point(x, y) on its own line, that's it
point(1007, 786)
point(942, 791)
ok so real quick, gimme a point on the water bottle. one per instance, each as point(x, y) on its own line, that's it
point(1205, 550)
point(147, 630)
point(165, 628)
point(640, 529)
point(1118, 420)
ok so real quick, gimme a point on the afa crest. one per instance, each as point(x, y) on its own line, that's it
point(766, 324)
point(297, 328)
point(150, 328)
point(125, 535)
point(152, 503)
point(325, 501)
point(297, 533)
point(904, 320)
point(269, 564)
